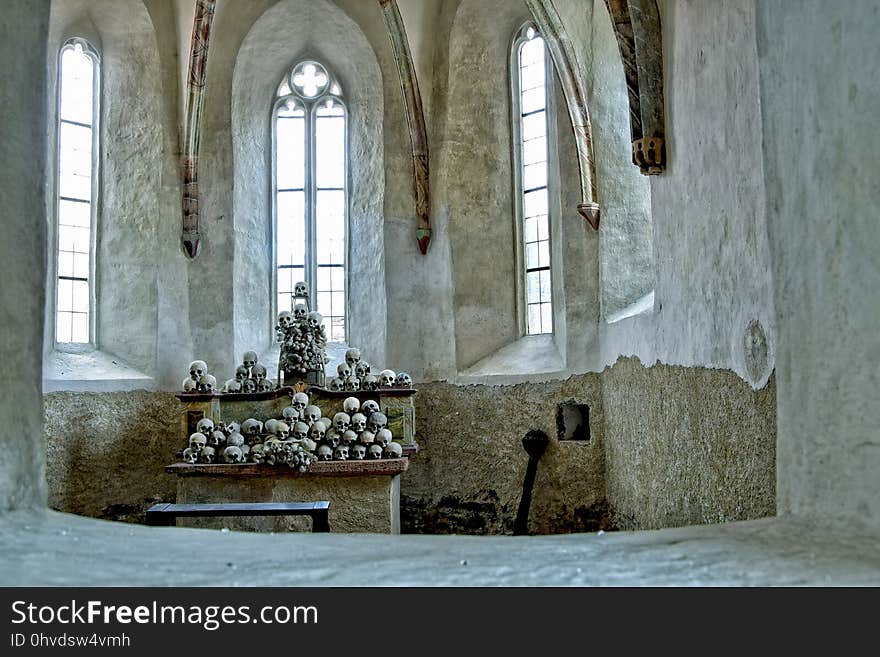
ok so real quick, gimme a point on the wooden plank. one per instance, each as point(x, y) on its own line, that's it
point(245, 509)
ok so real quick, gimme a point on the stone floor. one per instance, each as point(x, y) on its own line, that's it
point(47, 548)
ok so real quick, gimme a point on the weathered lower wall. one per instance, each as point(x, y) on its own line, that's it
point(668, 446)
point(106, 452)
point(687, 445)
point(468, 475)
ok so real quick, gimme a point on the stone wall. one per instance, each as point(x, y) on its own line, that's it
point(23, 28)
point(687, 446)
point(468, 475)
point(106, 452)
point(668, 446)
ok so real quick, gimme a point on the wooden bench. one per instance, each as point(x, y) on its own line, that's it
point(165, 515)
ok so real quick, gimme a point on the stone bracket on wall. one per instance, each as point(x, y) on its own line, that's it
point(564, 59)
point(415, 118)
point(190, 237)
point(639, 39)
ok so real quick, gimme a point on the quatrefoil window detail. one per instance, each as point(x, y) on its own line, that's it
point(310, 79)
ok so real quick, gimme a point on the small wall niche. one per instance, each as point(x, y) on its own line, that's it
point(573, 421)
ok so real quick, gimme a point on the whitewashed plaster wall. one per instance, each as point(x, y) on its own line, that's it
point(286, 33)
point(138, 272)
point(24, 25)
point(714, 275)
point(820, 89)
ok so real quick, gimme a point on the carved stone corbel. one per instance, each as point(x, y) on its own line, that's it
point(189, 159)
point(415, 119)
point(550, 25)
point(639, 39)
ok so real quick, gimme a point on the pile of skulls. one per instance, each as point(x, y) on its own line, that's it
point(301, 436)
point(356, 374)
point(250, 376)
point(199, 380)
point(302, 337)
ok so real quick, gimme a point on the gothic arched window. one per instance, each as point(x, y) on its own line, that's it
point(76, 192)
point(310, 204)
point(531, 71)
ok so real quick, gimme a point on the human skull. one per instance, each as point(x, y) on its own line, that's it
point(290, 415)
point(358, 422)
point(392, 451)
point(231, 427)
point(241, 373)
point(351, 405)
point(248, 386)
point(383, 437)
point(358, 452)
point(340, 453)
point(205, 426)
point(367, 438)
point(300, 290)
point(377, 421)
point(352, 384)
point(197, 441)
point(370, 382)
point(189, 385)
point(300, 311)
point(252, 427)
point(308, 445)
point(300, 431)
point(341, 422)
point(207, 455)
point(361, 369)
point(269, 426)
point(285, 319)
point(216, 438)
point(315, 320)
point(369, 407)
point(311, 414)
point(299, 402)
point(208, 383)
point(249, 359)
point(233, 454)
point(259, 373)
point(336, 385)
point(349, 437)
point(197, 369)
point(324, 453)
point(257, 454)
point(317, 432)
point(327, 422)
point(353, 357)
point(282, 430)
point(232, 385)
point(344, 371)
point(190, 455)
point(332, 438)
point(387, 378)
point(375, 451)
point(236, 440)
point(403, 380)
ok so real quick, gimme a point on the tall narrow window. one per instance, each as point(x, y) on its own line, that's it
point(78, 81)
point(311, 201)
point(529, 78)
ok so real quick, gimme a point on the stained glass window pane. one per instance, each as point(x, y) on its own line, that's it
point(533, 183)
point(77, 120)
point(291, 153)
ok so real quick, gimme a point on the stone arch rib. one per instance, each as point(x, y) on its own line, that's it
point(550, 24)
point(415, 118)
point(637, 27)
point(189, 160)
